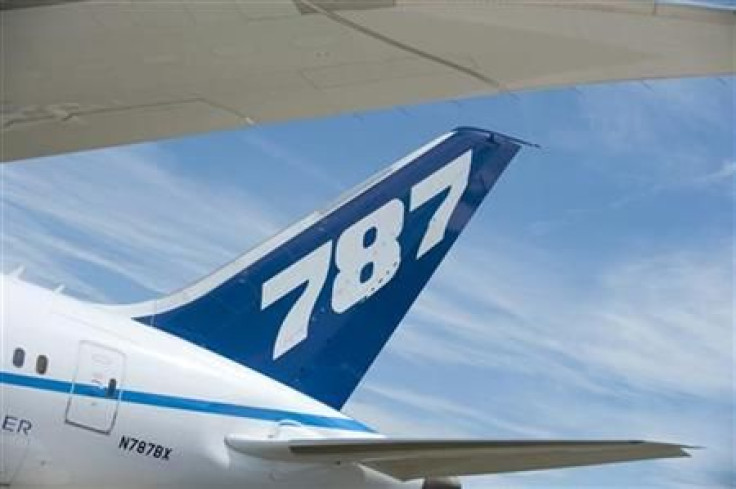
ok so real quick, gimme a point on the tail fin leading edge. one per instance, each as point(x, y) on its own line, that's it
point(313, 306)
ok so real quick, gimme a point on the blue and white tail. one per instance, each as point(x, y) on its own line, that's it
point(313, 306)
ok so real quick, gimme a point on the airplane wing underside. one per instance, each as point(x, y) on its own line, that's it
point(79, 74)
point(413, 459)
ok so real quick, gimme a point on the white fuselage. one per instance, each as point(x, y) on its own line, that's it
point(125, 405)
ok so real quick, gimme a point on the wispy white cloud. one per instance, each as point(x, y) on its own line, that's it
point(402, 412)
point(725, 174)
point(652, 323)
point(138, 221)
point(722, 177)
point(658, 139)
point(640, 113)
point(656, 132)
point(292, 159)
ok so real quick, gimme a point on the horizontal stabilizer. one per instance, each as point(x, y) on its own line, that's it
point(407, 459)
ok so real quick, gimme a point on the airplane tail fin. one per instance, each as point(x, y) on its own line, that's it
point(313, 306)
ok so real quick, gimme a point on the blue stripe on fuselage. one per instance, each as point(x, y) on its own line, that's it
point(186, 404)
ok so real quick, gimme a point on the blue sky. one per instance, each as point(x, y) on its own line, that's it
point(728, 4)
point(590, 297)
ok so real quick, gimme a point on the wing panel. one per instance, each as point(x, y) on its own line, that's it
point(500, 461)
point(275, 61)
point(414, 459)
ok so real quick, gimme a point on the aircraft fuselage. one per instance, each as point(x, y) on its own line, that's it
point(90, 399)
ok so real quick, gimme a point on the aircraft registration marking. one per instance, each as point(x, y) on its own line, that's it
point(145, 448)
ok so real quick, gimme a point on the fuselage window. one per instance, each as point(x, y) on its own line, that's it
point(19, 357)
point(42, 364)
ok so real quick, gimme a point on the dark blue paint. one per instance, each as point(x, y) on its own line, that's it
point(366, 273)
point(370, 237)
point(91, 390)
point(340, 348)
point(184, 404)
